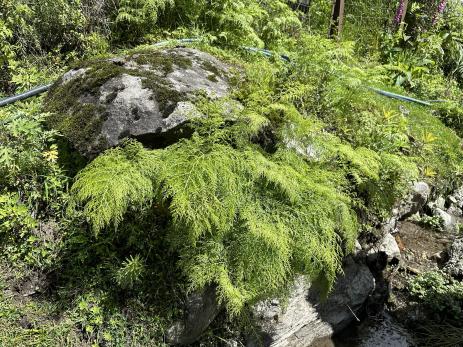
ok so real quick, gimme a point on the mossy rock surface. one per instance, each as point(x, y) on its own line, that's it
point(148, 95)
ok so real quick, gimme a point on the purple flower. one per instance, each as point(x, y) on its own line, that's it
point(440, 11)
point(400, 12)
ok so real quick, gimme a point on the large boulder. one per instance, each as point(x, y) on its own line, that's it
point(304, 319)
point(148, 95)
point(455, 264)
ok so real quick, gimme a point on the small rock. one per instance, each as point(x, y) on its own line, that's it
point(415, 201)
point(231, 343)
point(390, 226)
point(456, 197)
point(436, 256)
point(358, 248)
point(389, 246)
point(455, 211)
point(310, 151)
point(449, 222)
point(25, 323)
point(440, 203)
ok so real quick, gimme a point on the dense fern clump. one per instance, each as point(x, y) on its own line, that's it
point(274, 190)
point(240, 218)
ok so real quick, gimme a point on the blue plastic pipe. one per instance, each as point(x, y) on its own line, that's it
point(399, 97)
point(26, 95)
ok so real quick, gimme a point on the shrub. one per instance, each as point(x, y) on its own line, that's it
point(440, 293)
point(29, 163)
point(32, 191)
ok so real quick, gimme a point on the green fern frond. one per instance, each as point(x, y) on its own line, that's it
point(109, 185)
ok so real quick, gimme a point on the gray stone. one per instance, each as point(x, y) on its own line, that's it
point(449, 222)
point(231, 343)
point(440, 202)
point(387, 245)
point(455, 203)
point(297, 324)
point(455, 264)
point(415, 201)
point(358, 248)
point(390, 226)
point(149, 97)
point(73, 74)
point(350, 293)
point(407, 207)
point(310, 151)
point(201, 309)
point(457, 197)
point(454, 210)
point(305, 319)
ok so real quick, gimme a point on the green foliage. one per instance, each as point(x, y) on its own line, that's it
point(434, 223)
point(28, 158)
point(366, 22)
point(225, 204)
point(59, 24)
point(230, 22)
point(283, 178)
point(14, 217)
point(131, 272)
point(89, 321)
point(440, 293)
point(113, 191)
point(137, 18)
point(102, 325)
point(32, 191)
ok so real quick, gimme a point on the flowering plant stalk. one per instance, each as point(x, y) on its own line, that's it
point(399, 13)
point(440, 11)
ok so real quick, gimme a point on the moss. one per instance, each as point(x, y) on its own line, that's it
point(79, 121)
point(212, 78)
point(83, 126)
point(208, 66)
point(100, 72)
point(165, 94)
point(155, 59)
point(161, 59)
point(183, 62)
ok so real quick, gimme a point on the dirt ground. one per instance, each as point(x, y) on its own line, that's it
point(422, 250)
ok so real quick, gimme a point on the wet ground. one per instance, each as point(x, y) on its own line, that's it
point(380, 331)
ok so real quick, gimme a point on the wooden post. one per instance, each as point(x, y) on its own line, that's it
point(337, 19)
